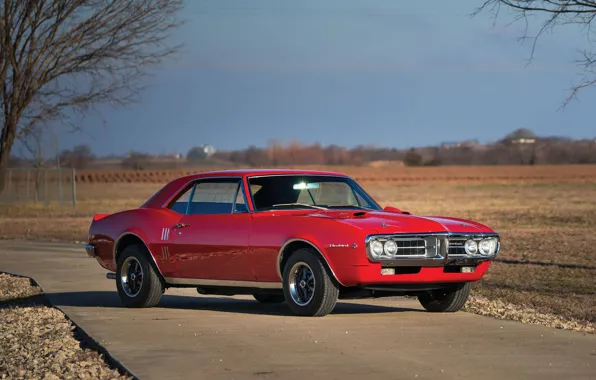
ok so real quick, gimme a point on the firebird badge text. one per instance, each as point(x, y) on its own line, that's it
point(342, 245)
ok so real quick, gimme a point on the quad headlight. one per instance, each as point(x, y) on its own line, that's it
point(380, 249)
point(376, 249)
point(487, 247)
point(390, 247)
point(471, 247)
point(484, 247)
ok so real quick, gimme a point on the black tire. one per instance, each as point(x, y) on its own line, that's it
point(151, 287)
point(445, 300)
point(269, 298)
point(324, 297)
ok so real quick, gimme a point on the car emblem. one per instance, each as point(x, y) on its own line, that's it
point(354, 245)
point(383, 224)
point(338, 246)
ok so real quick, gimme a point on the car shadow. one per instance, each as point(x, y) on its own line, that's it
point(110, 299)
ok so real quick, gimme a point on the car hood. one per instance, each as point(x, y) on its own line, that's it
point(383, 222)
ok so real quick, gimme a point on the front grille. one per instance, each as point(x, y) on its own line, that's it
point(456, 247)
point(411, 247)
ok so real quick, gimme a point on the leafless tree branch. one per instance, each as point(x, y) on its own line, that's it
point(558, 13)
point(64, 56)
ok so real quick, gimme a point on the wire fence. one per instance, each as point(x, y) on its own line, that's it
point(39, 185)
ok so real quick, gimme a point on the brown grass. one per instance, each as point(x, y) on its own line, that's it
point(548, 240)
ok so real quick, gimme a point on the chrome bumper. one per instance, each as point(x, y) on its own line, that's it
point(90, 248)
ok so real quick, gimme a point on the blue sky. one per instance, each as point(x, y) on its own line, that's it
point(391, 73)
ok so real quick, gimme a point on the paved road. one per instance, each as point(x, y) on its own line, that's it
point(203, 337)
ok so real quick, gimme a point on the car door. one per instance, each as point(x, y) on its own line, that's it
point(211, 240)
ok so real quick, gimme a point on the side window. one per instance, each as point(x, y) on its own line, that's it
point(214, 197)
point(240, 205)
point(180, 204)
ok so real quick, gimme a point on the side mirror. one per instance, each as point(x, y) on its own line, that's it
point(395, 210)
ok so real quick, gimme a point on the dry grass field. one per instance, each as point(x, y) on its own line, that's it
point(547, 219)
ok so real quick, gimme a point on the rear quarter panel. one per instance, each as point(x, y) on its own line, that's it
point(146, 223)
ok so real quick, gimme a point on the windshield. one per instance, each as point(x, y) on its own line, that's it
point(308, 191)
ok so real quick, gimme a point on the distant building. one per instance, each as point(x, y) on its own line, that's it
point(208, 150)
point(523, 140)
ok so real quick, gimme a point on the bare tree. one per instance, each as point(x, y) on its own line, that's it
point(62, 57)
point(557, 13)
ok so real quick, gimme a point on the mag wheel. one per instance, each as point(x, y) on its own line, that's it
point(308, 288)
point(269, 298)
point(136, 281)
point(445, 300)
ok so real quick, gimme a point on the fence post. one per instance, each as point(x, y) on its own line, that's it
point(9, 184)
point(74, 188)
point(60, 185)
point(27, 185)
point(36, 185)
point(45, 185)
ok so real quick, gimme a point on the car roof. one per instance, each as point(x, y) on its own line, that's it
point(166, 192)
point(264, 172)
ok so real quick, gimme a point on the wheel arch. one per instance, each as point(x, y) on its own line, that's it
point(130, 238)
point(291, 246)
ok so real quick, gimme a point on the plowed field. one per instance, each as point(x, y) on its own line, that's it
point(550, 173)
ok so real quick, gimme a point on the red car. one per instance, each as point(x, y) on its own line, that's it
point(303, 237)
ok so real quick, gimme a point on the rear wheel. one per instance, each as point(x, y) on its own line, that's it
point(445, 300)
point(308, 288)
point(137, 282)
point(269, 298)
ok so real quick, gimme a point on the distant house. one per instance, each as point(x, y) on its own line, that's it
point(208, 150)
point(523, 140)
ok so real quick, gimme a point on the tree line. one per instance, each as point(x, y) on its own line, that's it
point(520, 147)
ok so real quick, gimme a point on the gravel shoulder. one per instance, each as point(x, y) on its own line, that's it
point(37, 341)
point(508, 311)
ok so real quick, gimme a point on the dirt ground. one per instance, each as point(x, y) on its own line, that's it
point(37, 341)
point(546, 262)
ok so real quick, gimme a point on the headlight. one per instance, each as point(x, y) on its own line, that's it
point(376, 249)
point(390, 248)
point(471, 247)
point(487, 246)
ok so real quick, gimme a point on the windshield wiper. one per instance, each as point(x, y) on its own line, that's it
point(351, 206)
point(296, 204)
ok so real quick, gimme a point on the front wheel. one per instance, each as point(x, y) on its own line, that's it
point(137, 282)
point(445, 300)
point(308, 288)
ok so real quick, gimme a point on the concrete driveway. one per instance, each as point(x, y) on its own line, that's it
point(204, 337)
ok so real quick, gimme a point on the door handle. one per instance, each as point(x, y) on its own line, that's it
point(181, 225)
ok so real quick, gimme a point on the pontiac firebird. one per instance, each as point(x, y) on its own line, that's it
point(304, 237)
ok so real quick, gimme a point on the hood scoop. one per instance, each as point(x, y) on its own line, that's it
point(348, 215)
